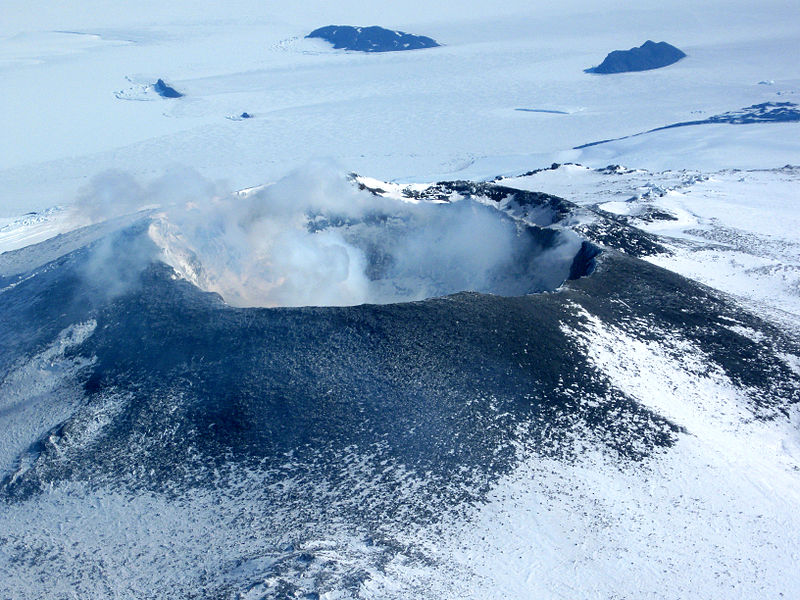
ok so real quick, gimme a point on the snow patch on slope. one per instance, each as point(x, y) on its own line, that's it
point(40, 393)
point(670, 526)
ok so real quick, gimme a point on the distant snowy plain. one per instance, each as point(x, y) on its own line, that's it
point(434, 114)
point(716, 516)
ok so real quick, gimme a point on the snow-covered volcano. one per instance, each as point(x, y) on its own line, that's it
point(541, 342)
point(377, 450)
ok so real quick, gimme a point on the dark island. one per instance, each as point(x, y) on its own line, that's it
point(650, 55)
point(371, 39)
point(165, 91)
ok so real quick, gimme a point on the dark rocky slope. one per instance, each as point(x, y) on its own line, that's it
point(371, 39)
point(650, 55)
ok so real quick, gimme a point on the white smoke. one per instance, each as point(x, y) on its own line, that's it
point(313, 238)
point(114, 193)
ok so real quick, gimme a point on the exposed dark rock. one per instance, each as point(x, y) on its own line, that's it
point(371, 39)
point(584, 262)
point(542, 110)
point(766, 112)
point(650, 55)
point(653, 214)
point(614, 231)
point(552, 167)
point(165, 91)
point(613, 170)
